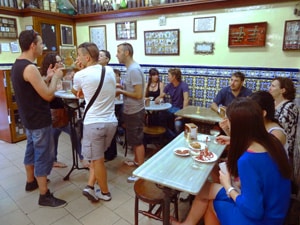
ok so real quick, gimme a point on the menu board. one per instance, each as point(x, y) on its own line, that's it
point(8, 28)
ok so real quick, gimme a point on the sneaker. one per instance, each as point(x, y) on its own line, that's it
point(49, 200)
point(90, 194)
point(132, 179)
point(32, 185)
point(102, 196)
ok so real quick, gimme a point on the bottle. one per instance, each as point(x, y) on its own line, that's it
point(123, 4)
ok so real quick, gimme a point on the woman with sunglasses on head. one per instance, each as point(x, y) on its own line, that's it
point(155, 86)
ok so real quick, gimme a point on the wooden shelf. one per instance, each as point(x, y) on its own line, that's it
point(168, 8)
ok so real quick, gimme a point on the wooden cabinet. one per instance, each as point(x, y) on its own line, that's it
point(11, 128)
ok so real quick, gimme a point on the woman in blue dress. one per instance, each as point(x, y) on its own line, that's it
point(258, 162)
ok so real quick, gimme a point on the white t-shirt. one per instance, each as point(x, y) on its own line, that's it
point(88, 79)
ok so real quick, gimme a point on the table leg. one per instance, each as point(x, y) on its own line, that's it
point(169, 193)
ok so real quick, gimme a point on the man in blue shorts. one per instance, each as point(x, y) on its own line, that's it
point(33, 96)
point(133, 106)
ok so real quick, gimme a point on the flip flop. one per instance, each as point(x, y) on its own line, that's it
point(130, 163)
point(59, 165)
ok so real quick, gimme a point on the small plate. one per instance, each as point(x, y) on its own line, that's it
point(180, 151)
point(213, 159)
point(61, 91)
point(193, 145)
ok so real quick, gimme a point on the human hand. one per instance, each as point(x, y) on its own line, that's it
point(118, 85)
point(80, 94)
point(223, 140)
point(78, 65)
point(224, 124)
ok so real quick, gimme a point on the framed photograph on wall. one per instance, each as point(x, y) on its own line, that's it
point(162, 42)
point(204, 24)
point(98, 36)
point(126, 30)
point(66, 34)
point(291, 37)
point(247, 35)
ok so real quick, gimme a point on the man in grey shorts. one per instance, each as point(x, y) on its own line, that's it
point(133, 105)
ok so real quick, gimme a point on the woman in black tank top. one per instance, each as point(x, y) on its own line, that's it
point(154, 86)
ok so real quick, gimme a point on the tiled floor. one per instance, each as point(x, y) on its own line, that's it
point(18, 207)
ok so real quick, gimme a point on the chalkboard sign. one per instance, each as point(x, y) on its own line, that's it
point(8, 28)
point(291, 39)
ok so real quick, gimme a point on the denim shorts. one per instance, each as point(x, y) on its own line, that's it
point(40, 150)
point(96, 139)
point(134, 124)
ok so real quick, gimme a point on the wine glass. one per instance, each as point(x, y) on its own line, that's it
point(215, 133)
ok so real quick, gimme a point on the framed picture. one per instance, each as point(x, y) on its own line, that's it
point(247, 35)
point(8, 28)
point(50, 36)
point(204, 24)
point(66, 34)
point(98, 36)
point(126, 30)
point(68, 54)
point(291, 37)
point(204, 48)
point(162, 42)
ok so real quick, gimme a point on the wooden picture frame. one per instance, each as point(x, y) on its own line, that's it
point(126, 30)
point(204, 24)
point(162, 42)
point(8, 28)
point(49, 35)
point(204, 48)
point(247, 35)
point(98, 36)
point(66, 34)
point(291, 37)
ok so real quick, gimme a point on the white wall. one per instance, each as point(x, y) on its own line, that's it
point(269, 56)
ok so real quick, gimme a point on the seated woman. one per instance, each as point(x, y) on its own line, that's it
point(154, 87)
point(259, 160)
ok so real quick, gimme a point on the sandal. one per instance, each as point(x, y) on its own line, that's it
point(59, 165)
point(131, 163)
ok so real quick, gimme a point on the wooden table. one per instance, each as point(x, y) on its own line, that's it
point(199, 113)
point(175, 172)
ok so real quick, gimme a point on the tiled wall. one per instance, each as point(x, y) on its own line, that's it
point(204, 82)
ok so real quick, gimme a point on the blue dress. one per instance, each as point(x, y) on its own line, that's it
point(265, 194)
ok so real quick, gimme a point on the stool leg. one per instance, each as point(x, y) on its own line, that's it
point(136, 211)
point(176, 207)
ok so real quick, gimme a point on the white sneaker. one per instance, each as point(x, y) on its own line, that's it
point(132, 179)
point(90, 194)
point(104, 197)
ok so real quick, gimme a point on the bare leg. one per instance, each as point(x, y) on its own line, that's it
point(29, 173)
point(92, 178)
point(100, 174)
point(42, 182)
point(200, 204)
point(139, 156)
point(210, 216)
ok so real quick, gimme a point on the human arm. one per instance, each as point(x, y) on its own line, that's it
point(185, 99)
point(225, 126)
point(214, 107)
point(137, 92)
point(32, 75)
point(222, 139)
point(161, 96)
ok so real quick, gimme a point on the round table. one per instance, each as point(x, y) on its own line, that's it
point(158, 107)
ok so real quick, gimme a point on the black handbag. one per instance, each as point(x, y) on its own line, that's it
point(79, 123)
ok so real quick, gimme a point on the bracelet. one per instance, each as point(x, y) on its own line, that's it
point(230, 190)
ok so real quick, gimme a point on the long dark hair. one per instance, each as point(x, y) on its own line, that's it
point(152, 71)
point(247, 126)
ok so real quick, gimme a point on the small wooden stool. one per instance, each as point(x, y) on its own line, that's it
point(148, 192)
point(155, 132)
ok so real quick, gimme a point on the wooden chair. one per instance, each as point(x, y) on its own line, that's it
point(153, 133)
point(148, 192)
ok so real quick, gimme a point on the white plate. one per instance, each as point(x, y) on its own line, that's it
point(213, 159)
point(202, 137)
point(177, 151)
point(61, 91)
point(202, 145)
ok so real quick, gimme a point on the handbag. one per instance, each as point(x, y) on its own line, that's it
point(59, 117)
point(80, 121)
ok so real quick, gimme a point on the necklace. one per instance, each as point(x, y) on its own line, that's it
point(153, 85)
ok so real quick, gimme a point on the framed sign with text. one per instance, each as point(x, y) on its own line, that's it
point(291, 37)
point(247, 35)
point(8, 28)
